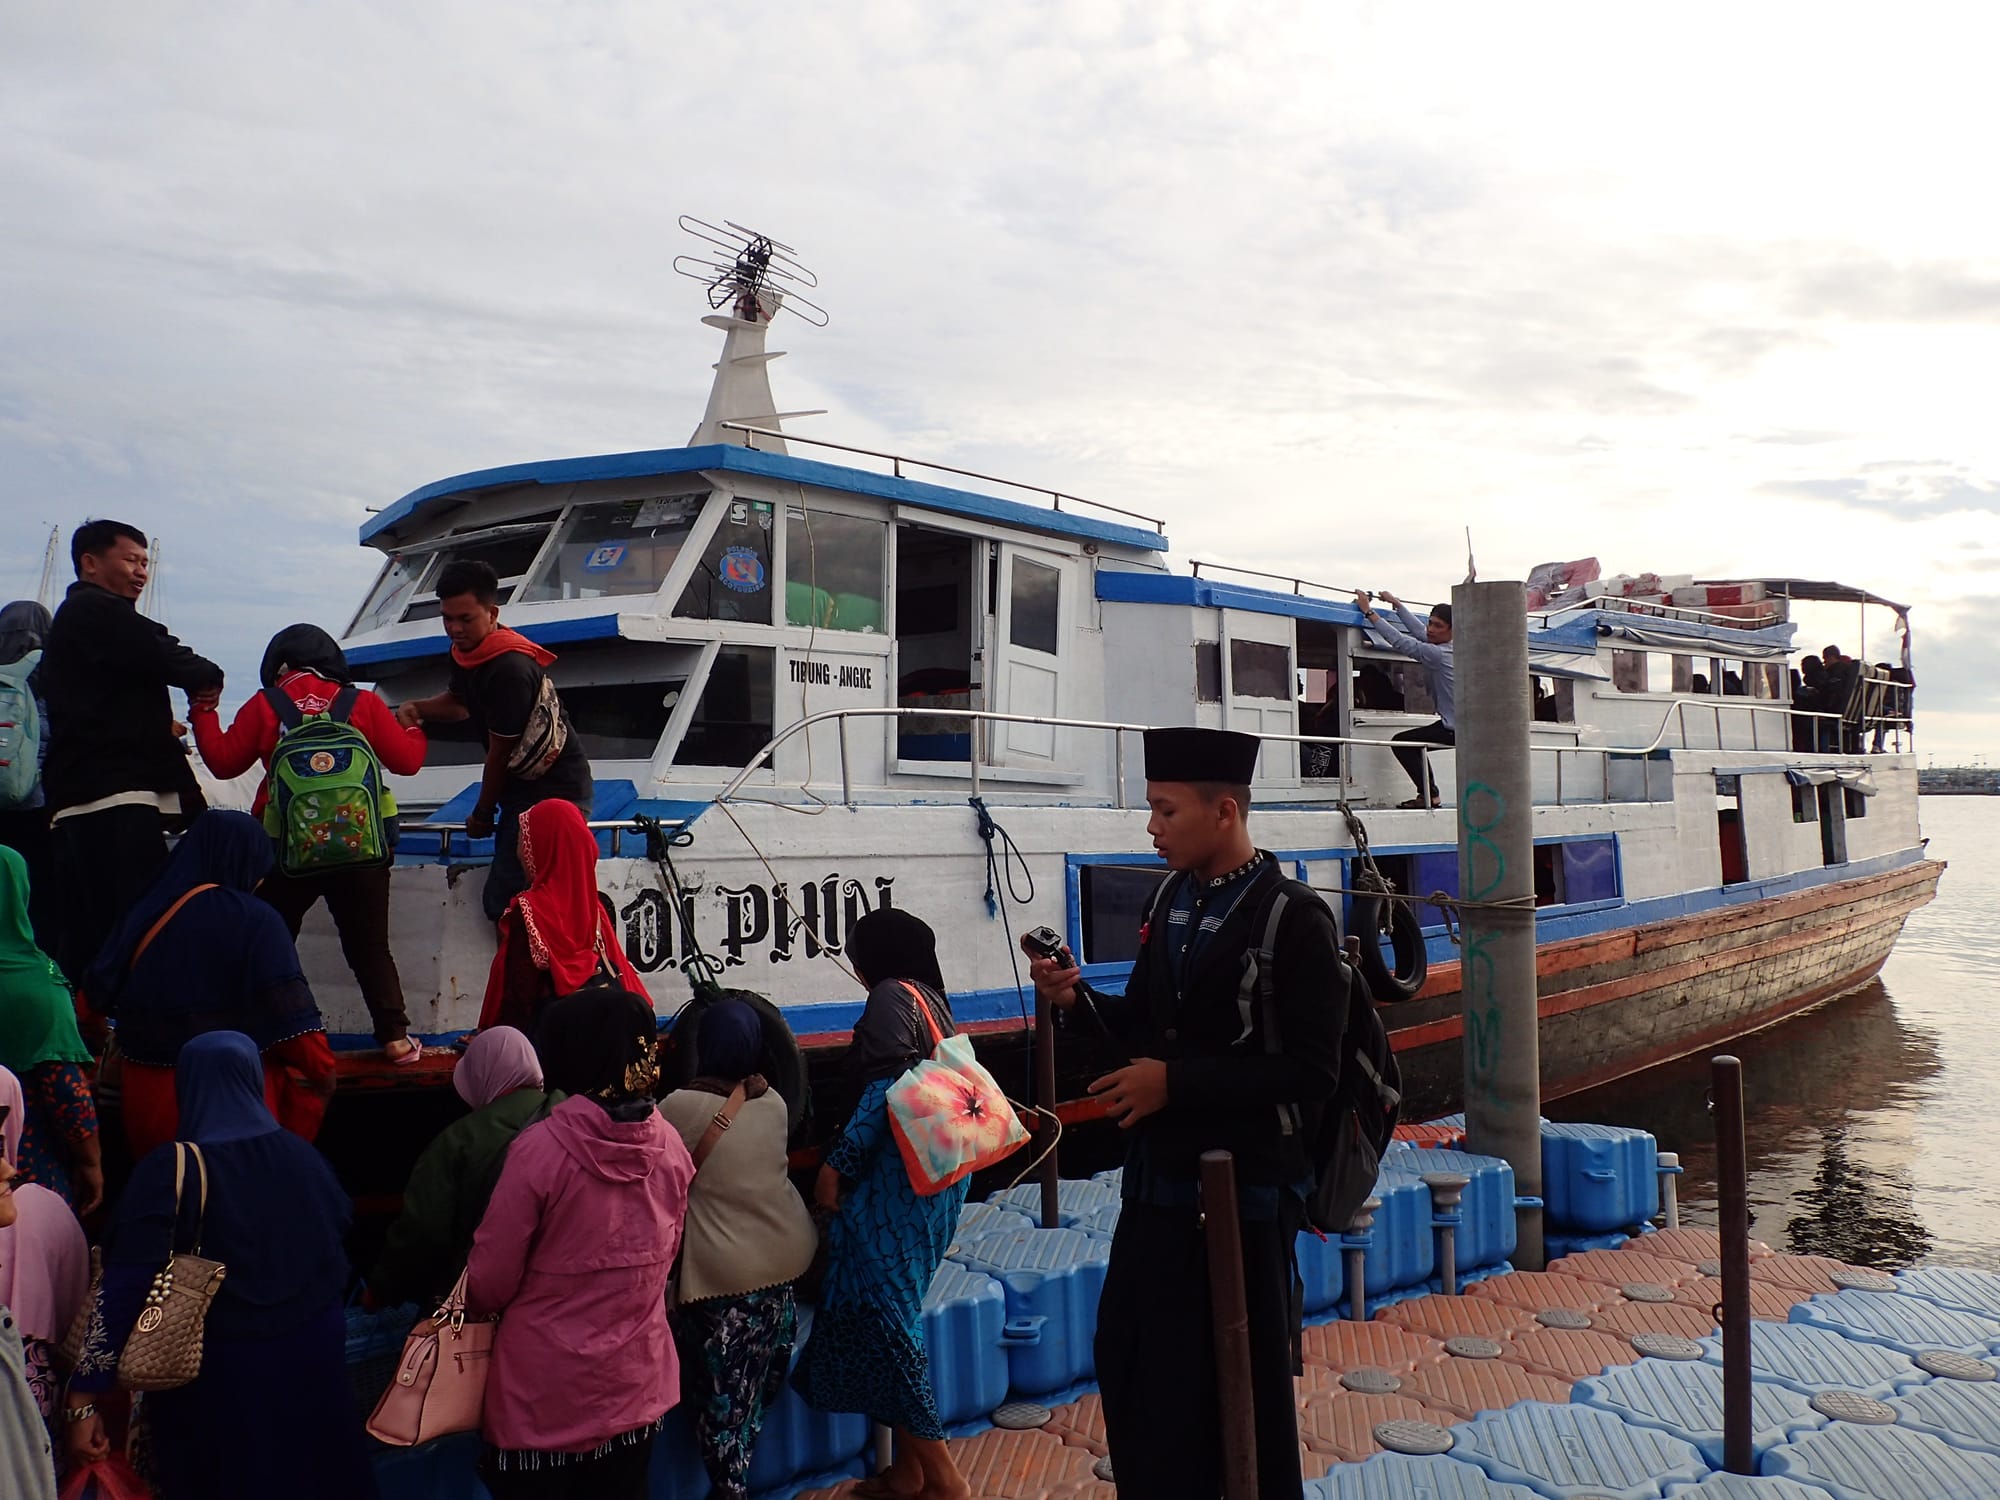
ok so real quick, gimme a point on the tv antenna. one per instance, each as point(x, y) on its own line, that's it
point(754, 276)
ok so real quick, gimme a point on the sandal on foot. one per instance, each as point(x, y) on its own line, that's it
point(416, 1051)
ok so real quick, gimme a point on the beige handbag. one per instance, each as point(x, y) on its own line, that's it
point(440, 1384)
point(164, 1350)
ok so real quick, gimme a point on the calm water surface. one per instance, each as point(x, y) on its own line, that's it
point(1874, 1122)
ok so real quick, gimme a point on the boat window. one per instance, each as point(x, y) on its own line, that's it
point(1805, 804)
point(509, 549)
point(1031, 615)
point(1628, 671)
point(733, 720)
point(393, 591)
point(1857, 802)
point(834, 572)
point(1555, 700)
point(1729, 830)
point(622, 720)
point(1589, 870)
point(1112, 902)
point(621, 547)
point(1208, 671)
point(1260, 669)
point(732, 581)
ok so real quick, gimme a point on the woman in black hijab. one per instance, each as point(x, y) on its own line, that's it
point(884, 1243)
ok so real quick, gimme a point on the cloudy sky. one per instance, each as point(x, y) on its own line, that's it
point(1704, 289)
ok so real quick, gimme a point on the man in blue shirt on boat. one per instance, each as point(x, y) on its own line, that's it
point(1428, 642)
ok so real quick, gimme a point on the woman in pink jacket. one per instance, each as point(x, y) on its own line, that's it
point(574, 1254)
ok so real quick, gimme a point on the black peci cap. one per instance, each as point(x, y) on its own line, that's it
point(1201, 755)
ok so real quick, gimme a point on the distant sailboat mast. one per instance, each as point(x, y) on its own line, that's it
point(46, 590)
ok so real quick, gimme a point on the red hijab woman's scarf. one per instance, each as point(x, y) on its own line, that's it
point(558, 917)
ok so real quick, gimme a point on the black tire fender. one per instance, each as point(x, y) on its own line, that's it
point(1406, 937)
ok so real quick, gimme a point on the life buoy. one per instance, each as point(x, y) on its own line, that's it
point(783, 1065)
point(1375, 915)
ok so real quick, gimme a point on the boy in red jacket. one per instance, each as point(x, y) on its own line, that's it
point(306, 664)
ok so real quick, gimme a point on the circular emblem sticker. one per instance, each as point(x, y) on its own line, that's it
point(322, 762)
point(741, 570)
point(150, 1319)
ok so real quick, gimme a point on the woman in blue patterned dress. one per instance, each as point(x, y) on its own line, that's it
point(866, 1350)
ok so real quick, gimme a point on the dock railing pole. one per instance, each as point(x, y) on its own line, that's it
point(1045, 1122)
point(1496, 880)
point(1733, 1203)
point(1230, 1311)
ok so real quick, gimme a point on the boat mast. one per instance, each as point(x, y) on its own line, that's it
point(45, 591)
point(760, 278)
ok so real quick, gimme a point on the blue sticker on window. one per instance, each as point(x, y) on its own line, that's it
point(741, 569)
point(606, 559)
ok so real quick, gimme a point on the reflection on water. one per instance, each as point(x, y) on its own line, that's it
point(1874, 1122)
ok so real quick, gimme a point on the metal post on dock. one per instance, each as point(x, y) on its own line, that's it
point(1046, 1126)
point(1733, 1202)
point(1230, 1311)
point(1496, 881)
point(1354, 1242)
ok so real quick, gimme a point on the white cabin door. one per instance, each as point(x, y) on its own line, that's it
point(1259, 670)
point(1033, 605)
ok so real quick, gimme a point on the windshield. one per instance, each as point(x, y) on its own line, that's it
point(618, 547)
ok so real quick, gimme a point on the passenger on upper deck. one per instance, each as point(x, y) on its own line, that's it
point(306, 667)
point(1429, 641)
point(499, 683)
point(117, 776)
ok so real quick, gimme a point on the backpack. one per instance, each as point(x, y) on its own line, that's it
point(1346, 1137)
point(20, 733)
point(328, 805)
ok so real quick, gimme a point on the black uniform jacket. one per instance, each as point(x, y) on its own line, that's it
point(105, 675)
point(1230, 1085)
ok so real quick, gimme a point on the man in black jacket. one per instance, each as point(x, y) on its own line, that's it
point(117, 777)
point(1214, 1068)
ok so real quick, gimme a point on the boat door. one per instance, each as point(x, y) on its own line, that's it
point(1261, 688)
point(1031, 591)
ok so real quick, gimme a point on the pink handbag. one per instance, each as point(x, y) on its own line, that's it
point(440, 1383)
point(948, 1115)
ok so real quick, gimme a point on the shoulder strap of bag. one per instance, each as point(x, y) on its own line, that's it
point(165, 917)
point(719, 1126)
point(341, 711)
point(289, 716)
point(201, 1196)
point(923, 1008)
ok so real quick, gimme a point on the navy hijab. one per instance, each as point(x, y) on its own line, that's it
point(219, 1088)
point(225, 962)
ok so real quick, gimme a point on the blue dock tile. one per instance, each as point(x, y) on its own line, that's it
point(1597, 1178)
point(1074, 1198)
point(965, 1319)
point(1911, 1324)
point(1486, 1230)
point(1955, 1287)
point(1684, 1399)
point(1746, 1487)
point(1885, 1463)
point(976, 1219)
point(1053, 1279)
point(1964, 1413)
point(1811, 1360)
point(1398, 1476)
point(1569, 1452)
point(1101, 1223)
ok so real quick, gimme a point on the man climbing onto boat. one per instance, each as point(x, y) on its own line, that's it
point(499, 681)
point(1208, 1073)
point(117, 778)
point(1429, 642)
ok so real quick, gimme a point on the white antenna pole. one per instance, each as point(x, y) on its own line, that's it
point(153, 598)
point(45, 591)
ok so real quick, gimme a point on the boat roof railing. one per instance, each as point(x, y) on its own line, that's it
point(973, 717)
point(897, 462)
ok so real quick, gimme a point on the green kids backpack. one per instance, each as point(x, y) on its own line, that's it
point(329, 808)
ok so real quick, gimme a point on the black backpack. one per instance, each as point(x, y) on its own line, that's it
point(1346, 1136)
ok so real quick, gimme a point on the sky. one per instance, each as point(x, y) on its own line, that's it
point(1709, 290)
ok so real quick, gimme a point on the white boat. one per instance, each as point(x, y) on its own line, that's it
point(825, 671)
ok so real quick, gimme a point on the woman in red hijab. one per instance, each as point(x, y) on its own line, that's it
point(555, 937)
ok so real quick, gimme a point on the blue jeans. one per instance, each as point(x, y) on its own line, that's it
point(505, 877)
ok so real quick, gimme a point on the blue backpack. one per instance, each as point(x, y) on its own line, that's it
point(20, 733)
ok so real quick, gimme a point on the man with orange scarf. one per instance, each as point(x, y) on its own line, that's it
point(499, 682)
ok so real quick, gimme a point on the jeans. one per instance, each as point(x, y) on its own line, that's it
point(1409, 750)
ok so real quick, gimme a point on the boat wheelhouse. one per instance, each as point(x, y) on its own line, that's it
point(811, 685)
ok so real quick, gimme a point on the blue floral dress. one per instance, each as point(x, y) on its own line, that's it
point(866, 1349)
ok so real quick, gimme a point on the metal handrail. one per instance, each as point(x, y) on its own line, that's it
point(973, 716)
point(1619, 604)
point(897, 461)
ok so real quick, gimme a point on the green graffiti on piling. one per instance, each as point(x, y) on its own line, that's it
point(1481, 809)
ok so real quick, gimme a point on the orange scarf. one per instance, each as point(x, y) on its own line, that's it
point(499, 643)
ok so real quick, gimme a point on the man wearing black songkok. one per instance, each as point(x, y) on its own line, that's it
point(1213, 1069)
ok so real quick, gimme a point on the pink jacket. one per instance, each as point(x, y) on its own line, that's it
point(574, 1254)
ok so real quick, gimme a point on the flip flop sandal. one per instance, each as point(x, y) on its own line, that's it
point(416, 1051)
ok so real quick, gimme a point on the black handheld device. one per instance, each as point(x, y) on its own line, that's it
point(1046, 942)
